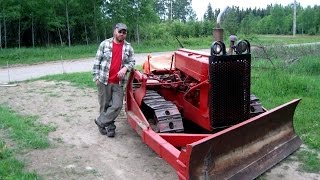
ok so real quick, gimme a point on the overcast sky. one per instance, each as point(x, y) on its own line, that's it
point(200, 6)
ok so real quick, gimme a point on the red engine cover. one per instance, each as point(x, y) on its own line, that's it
point(193, 63)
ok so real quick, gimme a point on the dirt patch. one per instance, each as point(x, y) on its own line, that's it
point(78, 150)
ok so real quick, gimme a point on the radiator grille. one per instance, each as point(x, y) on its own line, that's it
point(229, 101)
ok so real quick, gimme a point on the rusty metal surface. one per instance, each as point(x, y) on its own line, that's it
point(248, 149)
point(218, 34)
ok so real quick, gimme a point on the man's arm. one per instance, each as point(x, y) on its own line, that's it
point(132, 61)
point(97, 63)
point(128, 66)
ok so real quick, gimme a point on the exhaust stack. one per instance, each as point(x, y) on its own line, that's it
point(218, 31)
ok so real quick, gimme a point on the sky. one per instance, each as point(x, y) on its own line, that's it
point(200, 6)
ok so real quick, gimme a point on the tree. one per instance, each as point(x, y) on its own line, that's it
point(0, 34)
point(36, 23)
point(277, 19)
point(230, 22)
point(135, 13)
point(308, 20)
point(161, 9)
point(174, 10)
point(248, 24)
point(192, 16)
point(181, 9)
point(209, 15)
point(142, 13)
point(33, 14)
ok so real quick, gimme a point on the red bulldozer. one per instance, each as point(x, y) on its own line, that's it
point(196, 111)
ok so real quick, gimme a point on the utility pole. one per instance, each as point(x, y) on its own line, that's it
point(294, 29)
point(171, 11)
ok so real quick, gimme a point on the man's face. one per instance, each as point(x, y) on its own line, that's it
point(120, 35)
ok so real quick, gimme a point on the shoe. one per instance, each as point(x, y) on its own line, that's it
point(111, 133)
point(102, 130)
point(111, 130)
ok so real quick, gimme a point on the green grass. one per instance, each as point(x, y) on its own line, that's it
point(26, 134)
point(38, 55)
point(11, 168)
point(171, 44)
point(311, 161)
point(282, 39)
point(82, 80)
point(275, 85)
point(25, 130)
point(15, 56)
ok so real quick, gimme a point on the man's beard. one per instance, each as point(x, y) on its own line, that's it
point(120, 39)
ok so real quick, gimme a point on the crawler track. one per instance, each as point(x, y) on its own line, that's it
point(166, 114)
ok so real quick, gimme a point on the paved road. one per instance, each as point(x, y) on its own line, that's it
point(21, 73)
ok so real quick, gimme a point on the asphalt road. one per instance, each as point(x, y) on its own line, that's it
point(21, 73)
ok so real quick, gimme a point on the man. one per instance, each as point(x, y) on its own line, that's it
point(114, 59)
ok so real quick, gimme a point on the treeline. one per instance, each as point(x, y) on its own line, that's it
point(30, 23)
point(67, 22)
point(275, 19)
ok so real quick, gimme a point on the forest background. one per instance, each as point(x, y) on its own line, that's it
point(46, 23)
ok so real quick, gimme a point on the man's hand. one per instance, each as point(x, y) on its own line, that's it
point(122, 72)
point(97, 82)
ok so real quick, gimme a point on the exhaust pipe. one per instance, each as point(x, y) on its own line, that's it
point(218, 31)
point(219, 16)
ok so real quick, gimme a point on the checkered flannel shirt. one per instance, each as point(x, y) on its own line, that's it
point(103, 59)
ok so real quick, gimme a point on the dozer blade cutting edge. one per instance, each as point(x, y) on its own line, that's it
point(243, 151)
point(246, 150)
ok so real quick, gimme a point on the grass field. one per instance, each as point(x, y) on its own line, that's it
point(10, 167)
point(300, 80)
point(26, 134)
point(284, 39)
point(38, 55)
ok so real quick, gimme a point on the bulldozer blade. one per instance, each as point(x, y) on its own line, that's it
point(246, 150)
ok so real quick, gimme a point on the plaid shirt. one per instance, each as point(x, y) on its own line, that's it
point(103, 59)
